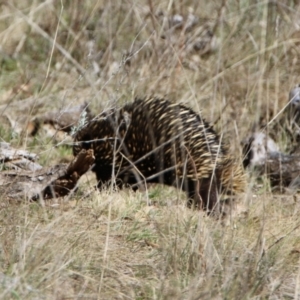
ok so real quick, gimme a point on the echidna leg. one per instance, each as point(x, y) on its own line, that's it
point(203, 194)
point(194, 198)
point(209, 194)
point(103, 174)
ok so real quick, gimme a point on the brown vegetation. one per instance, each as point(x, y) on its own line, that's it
point(236, 61)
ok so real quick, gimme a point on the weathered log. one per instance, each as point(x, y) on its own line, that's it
point(283, 170)
point(45, 183)
point(264, 157)
point(17, 159)
point(67, 118)
point(68, 181)
point(29, 116)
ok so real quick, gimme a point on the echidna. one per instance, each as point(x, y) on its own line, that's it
point(154, 140)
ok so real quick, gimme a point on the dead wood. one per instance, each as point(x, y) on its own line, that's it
point(29, 116)
point(68, 181)
point(67, 118)
point(17, 159)
point(45, 183)
point(283, 170)
point(262, 155)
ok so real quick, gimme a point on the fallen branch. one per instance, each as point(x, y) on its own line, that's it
point(45, 183)
point(68, 181)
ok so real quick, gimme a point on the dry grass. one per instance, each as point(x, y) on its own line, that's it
point(112, 245)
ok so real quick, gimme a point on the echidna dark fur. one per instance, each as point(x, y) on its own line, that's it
point(157, 141)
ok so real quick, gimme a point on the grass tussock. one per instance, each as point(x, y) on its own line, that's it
point(115, 246)
point(235, 61)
